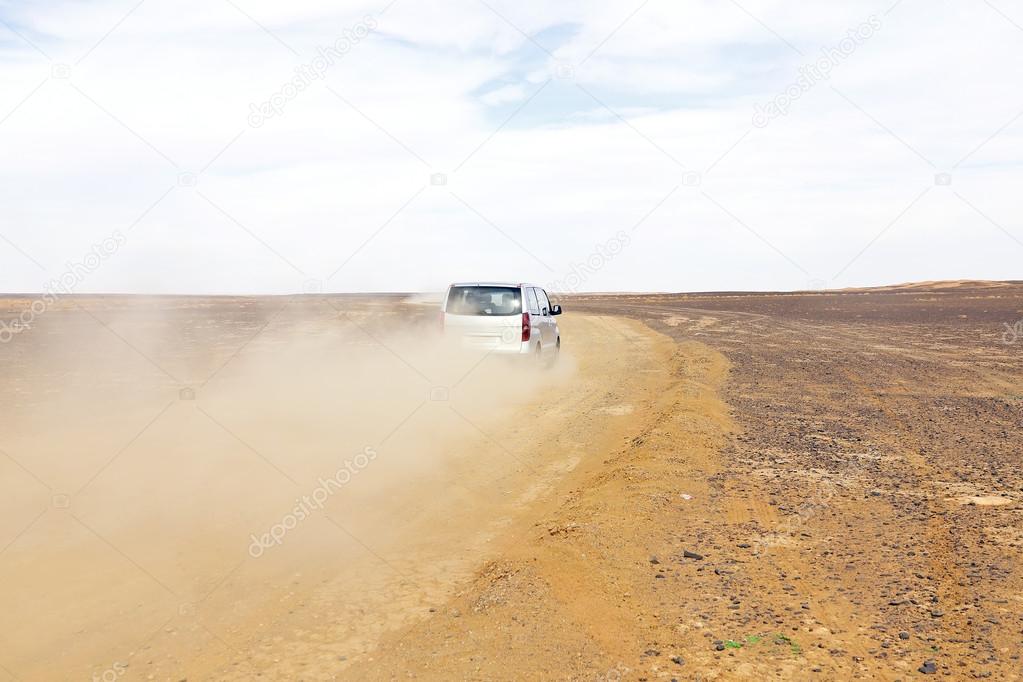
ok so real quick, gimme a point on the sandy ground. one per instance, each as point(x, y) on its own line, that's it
point(720, 486)
point(149, 446)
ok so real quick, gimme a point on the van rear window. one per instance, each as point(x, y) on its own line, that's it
point(484, 301)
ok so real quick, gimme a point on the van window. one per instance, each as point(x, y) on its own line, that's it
point(484, 301)
point(541, 296)
point(534, 305)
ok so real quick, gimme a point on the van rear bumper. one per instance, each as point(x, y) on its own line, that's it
point(488, 345)
point(469, 343)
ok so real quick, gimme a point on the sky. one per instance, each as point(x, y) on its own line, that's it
point(258, 147)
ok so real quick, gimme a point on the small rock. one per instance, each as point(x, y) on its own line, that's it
point(719, 645)
point(691, 555)
point(677, 660)
point(937, 614)
point(903, 635)
point(928, 668)
point(654, 560)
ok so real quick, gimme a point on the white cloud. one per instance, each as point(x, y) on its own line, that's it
point(504, 95)
point(433, 88)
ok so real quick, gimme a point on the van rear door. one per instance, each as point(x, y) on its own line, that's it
point(485, 317)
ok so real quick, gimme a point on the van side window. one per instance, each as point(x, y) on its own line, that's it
point(534, 304)
point(541, 296)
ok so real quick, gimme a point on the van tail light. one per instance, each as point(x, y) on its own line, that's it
point(525, 327)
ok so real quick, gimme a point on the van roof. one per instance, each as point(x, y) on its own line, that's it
point(495, 284)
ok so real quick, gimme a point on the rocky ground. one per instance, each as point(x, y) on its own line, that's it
point(884, 431)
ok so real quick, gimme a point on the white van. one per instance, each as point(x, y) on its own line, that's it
point(496, 317)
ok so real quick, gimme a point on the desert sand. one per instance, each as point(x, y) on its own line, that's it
point(721, 486)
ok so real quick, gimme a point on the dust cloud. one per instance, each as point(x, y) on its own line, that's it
point(181, 472)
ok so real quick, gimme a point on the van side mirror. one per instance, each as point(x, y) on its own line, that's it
point(556, 310)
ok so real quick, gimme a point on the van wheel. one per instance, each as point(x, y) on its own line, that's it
point(553, 359)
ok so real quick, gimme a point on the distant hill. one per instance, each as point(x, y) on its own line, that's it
point(941, 284)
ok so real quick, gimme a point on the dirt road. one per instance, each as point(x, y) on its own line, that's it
point(816, 486)
point(219, 489)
